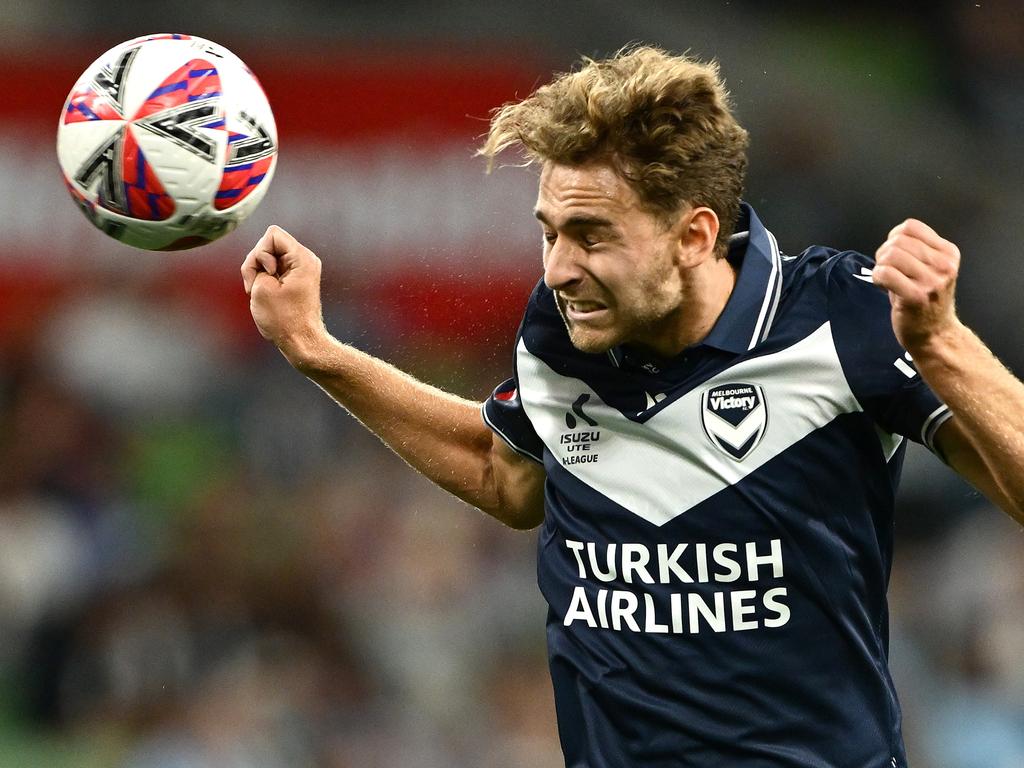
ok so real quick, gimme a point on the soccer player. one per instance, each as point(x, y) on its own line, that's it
point(710, 432)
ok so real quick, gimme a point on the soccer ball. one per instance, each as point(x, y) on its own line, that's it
point(167, 142)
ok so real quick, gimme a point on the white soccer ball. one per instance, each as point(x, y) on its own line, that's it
point(167, 142)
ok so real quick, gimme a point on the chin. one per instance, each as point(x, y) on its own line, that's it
point(592, 342)
point(587, 338)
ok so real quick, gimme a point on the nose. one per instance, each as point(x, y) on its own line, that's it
point(561, 264)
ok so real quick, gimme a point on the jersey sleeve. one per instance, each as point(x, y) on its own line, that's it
point(880, 372)
point(503, 412)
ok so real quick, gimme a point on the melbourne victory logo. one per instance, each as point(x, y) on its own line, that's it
point(734, 417)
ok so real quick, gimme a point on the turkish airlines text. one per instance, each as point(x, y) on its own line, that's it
point(758, 566)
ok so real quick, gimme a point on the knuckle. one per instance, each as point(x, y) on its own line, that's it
point(907, 242)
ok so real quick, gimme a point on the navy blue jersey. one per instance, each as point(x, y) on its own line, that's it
point(717, 537)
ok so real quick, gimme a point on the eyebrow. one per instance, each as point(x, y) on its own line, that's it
point(579, 220)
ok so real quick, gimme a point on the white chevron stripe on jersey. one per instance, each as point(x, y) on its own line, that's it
point(738, 435)
point(661, 468)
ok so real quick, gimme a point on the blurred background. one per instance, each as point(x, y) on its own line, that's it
point(203, 562)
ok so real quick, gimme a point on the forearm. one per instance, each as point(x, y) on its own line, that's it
point(437, 433)
point(987, 401)
point(440, 435)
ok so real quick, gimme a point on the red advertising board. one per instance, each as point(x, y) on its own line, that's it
point(376, 173)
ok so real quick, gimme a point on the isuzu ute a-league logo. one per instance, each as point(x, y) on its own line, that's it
point(734, 417)
point(577, 408)
point(578, 445)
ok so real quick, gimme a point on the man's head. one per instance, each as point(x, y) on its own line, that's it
point(663, 122)
point(642, 171)
point(619, 274)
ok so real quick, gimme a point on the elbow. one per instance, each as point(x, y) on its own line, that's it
point(512, 493)
point(518, 517)
point(1014, 508)
point(522, 520)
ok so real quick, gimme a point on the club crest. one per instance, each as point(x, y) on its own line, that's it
point(734, 417)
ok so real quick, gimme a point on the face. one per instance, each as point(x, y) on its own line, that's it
point(614, 267)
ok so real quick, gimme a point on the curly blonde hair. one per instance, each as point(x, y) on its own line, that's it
point(664, 122)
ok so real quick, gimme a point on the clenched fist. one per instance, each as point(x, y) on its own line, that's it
point(282, 279)
point(919, 270)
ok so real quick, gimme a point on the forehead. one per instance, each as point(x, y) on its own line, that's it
point(566, 190)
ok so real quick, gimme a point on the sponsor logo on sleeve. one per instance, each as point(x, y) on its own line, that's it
point(578, 445)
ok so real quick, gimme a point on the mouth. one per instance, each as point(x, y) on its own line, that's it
point(579, 310)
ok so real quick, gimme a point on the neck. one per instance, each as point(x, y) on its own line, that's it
point(705, 291)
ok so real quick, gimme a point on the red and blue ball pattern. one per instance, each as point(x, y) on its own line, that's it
point(87, 105)
point(239, 180)
point(145, 196)
point(195, 80)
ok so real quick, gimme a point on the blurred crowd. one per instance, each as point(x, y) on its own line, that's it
point(205, 563)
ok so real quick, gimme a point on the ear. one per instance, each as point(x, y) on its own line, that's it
point(697, 235)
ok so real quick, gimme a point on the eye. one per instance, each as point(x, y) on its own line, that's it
point(550, 237)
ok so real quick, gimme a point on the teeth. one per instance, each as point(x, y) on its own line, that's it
point(585, 306)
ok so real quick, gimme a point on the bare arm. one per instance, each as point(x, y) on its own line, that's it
point(984, 441)
point(961, 453)
point(440, 435)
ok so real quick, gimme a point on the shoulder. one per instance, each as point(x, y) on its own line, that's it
point(860, 316)
point(853, 296)
point(849, 270)
point(824, 265)
point(839, 284)
point(842, 276)
point(826, 285)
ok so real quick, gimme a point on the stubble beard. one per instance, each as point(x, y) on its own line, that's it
point(583, 339)
point(634, 326)
point(639, 321)
point(591, 342)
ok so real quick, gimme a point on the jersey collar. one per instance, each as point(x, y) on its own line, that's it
point(750, 310)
